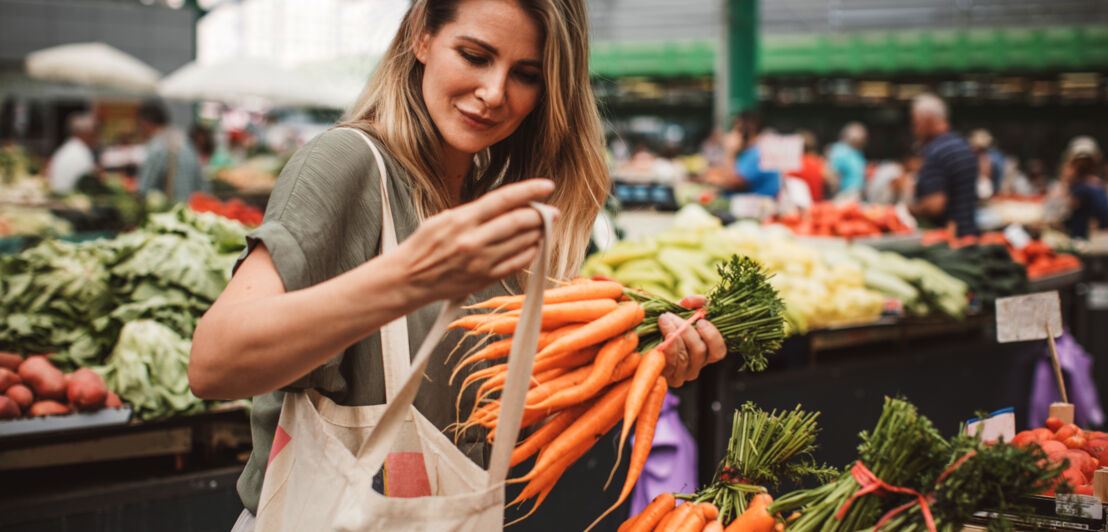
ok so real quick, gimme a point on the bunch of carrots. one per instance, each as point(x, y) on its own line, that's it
point(664, 515)
point(599, 362)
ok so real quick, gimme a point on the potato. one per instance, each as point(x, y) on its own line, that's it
point(8, 378)
point(87, 390)
point(22, 396)
point(8, 408)
point(49, 408)
point(113, 401)
point(10, 360)
point(47, 381)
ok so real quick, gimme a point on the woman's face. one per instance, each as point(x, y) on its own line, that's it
point(482, 73)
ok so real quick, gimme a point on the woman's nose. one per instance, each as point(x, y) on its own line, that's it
point(493, 88)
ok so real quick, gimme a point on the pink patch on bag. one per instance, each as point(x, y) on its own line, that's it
point(406, 475)
point(280, 439)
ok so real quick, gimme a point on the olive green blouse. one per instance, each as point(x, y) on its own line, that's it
point(323, 219)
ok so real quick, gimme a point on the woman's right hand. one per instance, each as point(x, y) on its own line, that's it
point(464, 249)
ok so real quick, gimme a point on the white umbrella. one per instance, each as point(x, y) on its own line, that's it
point(243, 81)
point(93, 63)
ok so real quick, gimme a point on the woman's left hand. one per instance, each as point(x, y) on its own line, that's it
point(696, 347)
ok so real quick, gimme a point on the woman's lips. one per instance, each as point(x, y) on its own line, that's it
point(475, 121)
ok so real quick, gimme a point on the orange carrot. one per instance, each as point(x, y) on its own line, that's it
point(626, 525)
point(616, 322)
point(755, 518)
point(644, 438)
point(548, 432)
point(713, 526)
point(586, 430)
point(576, 291)
point(556, 315)
point(606, 360)
point(693, 522)
point(529, 418)
point(676, 517)
point(472, 321)
point(501, 348)
point(626, 367)
point(708, 510)
point(650, 368)
point(652, 515)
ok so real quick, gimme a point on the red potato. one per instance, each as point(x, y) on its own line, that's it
point(1043, 434)
point(22, 396)
point(49, 408)
point(1095, 446)
point(1083, 490)
point(47, 381)
point(10, 360)
point(113, 401)
point(1023, 438)
point(1051, 447)
point(1082, 461)
point(87, 390)
point(1074, 477)
point(8, 378)
point(8, 408)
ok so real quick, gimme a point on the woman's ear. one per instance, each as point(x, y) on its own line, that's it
point(421, 47)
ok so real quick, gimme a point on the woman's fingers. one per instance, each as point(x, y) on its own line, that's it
point(677, 354)
point(514, 263)
point(507, 198)
point(697, 351)
point(506, 249)
point(717, 346)
point(507, 225)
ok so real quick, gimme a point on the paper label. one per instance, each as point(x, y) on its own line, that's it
point(1074, 505)
point(1097, 298)
point(1017, 236)
point(780, 152)
point(1026, 317)
point(1000, 425)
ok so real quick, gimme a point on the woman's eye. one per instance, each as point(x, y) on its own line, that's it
point(472, 59)
point(530, 78)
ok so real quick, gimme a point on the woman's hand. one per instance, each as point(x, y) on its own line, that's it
point(462, 250)
point(696, 347)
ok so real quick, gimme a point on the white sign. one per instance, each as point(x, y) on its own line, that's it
point(1000, 425)
point(780, 152)
point(1026, 317)
point(1017, 236)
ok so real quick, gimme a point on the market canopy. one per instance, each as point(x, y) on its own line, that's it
point(1014, 49)
point(94, 64)
point(246, 81)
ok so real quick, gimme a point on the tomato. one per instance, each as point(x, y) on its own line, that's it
point(1023, 438)
point(1068, 430)
point(1083, 490)
point(1053, 423)
point(1043, 434)
point(1075, 442)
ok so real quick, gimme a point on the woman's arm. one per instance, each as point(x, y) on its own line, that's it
point(257, 337)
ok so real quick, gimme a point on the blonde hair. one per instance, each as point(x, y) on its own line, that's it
point(561, 139)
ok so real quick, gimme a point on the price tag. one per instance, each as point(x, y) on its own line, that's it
point(1017, 236)
point(1097, 298)
point(1074, 505)
point(780, 152)
point(1026, 317)
point(999, 425)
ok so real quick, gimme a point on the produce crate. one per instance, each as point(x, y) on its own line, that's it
point(1067, 512)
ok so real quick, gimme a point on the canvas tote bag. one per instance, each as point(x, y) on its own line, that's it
point(325, 456)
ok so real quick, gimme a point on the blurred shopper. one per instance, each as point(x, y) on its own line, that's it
point(1088, 201)
point(946, 185)
point(171, 164)
point(746, 173)
point(847, 161)
point(74, 158)
point(811, 166)
point(990, 163)
point(204, 143)
point(887, 183)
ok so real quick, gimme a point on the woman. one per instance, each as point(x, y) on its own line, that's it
point(472, 100)
point(1087, 198)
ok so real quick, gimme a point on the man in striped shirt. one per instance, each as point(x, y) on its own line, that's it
point(946, 185)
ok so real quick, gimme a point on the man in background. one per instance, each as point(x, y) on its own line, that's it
point(74, 158)
point(746, 173)
point(946, 185)
point(847, 161)
point(171, 165)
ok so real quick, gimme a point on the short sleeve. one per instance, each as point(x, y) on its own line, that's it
point(748, 167)
point(324, 215)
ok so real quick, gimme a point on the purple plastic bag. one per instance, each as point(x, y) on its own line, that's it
point(1077, 366)
point(671, 465)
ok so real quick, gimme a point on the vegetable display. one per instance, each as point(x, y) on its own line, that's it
point(115, 305)
point(1079, 452)
point(849, 220)
point(600, 362)
point(1039, 259)
point(35, 387)
point(232, 209)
